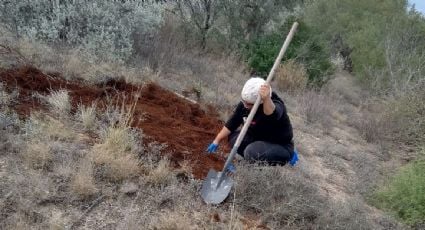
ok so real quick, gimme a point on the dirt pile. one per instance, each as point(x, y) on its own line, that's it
point(162, 115)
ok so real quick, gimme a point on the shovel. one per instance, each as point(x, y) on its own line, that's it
point(216, 187)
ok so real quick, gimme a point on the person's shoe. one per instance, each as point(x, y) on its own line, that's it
point(294, 158)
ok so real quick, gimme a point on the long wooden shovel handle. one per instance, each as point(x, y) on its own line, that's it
point(257, 102)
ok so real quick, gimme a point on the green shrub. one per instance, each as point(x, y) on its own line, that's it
point(305, 48)
point(103, 27)
point(386, 39)
point(404, 194)
point(405, 117)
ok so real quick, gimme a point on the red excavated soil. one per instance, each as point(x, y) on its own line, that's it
point(162, 115)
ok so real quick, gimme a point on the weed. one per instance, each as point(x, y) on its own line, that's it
point(119, 148)
point(59, 102)
point(162, 174)
point(41, 127)
point(172, 221)
point(38, 155)
point(87, 116)
point(83, 184)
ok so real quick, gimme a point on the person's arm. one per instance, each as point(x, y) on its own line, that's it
point(265, 94)
point(224, 132)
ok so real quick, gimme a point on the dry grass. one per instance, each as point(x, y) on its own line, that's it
point(117, 153)
point(317, 107)
point(77, 63)
point(162, 174)
point(291, 77)
point(87, 116)
point(83, 183)
point(290, 201)
point(172, 221)
point(59, 102)
point(119, 147)
point(56, 221)
point(42, 126)
point(38, 155)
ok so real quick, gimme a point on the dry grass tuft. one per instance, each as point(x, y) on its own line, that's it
point(87, 116)
point(291, 76)
point(162, 174)
point(59, 102)
point(83, 184)
point(118, 151)
point(41, 126)
point(117, 154)
point(38, 155)
point(172, 221)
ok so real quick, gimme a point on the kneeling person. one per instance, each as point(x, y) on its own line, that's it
point(269, 136)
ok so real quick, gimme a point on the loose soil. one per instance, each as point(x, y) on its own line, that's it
point(162, 115)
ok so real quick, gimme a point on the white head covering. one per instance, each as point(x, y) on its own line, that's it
point(250, 89)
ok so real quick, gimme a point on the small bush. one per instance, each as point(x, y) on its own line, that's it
point(406, 118)
point(404, 194)
point(291, 76)
point(371, 126)
point(304, 48)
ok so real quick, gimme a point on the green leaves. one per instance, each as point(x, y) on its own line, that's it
point(305, 48)
point(404, 194)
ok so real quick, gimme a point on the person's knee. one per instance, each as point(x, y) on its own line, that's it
point(253, 151)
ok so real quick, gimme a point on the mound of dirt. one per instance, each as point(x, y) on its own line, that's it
point(162, 115)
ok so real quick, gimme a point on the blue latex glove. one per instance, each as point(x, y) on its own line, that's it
point(231, 168)
point(212, 148)
point(294, 158)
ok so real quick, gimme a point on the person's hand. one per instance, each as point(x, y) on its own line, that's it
point(231, 169)
point(212, 148)
point(265, 91)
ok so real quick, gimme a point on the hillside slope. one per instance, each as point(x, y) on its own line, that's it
point(50, 177)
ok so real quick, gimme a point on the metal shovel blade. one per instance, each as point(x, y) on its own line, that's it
point(209, 191)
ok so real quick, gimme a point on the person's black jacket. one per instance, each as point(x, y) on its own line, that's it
point(274, 128)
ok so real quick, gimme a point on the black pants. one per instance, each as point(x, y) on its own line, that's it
point(254, 150)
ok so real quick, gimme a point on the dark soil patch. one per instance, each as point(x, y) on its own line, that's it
point(163, 116)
